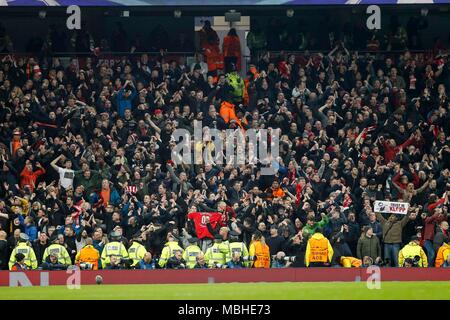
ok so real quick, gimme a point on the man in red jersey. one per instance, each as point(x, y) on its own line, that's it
point(201, 219)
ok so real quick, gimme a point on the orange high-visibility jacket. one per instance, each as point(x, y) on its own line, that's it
point(227, 112)
point(442, 255)
point(262, 253)
point(348, 262)
point(318, 249)
point(88, 255)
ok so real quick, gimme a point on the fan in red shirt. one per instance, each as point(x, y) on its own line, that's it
point(28, 177)
point(201, 219)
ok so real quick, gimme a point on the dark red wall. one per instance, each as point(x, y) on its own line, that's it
point(236, 275)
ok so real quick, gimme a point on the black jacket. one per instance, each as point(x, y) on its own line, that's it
point(4, 255)
point(39, 250)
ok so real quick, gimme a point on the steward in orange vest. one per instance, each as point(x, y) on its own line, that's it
point(228, 113)
point(442, 254)
point(260, 250)
point(348, 262)
point(319, 252)
point(88, 254)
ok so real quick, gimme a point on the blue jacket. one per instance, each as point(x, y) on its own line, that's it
point(146, 266)
point(31, 231)
point(232, 265)
point(124, 211)
point(123, 102)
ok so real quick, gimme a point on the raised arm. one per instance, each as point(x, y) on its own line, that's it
point(54, 162)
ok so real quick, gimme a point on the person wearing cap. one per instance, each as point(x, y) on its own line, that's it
point(236, 245)
point(136, 251)
point(28, 252)
point(216, 254)
point(59, 250)
point(191, 252)
point(19, 264)
point(169, 250)
point(114, 248)
point(411, 251)
point(88, 254)
point(52, 263)
point(125, 97)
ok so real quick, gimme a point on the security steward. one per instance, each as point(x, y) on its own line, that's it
point(216, 254)
point(58, 250)
point(191, 252)
point(169, 250)
point(136, 251)
point(236, 245)
point(88, 255)
point(28, 252)
point(260, 250)
point(114, 248)
point(411, 250)
point(319, 251)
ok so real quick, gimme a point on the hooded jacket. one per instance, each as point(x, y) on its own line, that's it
point(368, 247)
point(318, 249)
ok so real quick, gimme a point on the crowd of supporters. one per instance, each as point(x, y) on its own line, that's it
point(87, 176)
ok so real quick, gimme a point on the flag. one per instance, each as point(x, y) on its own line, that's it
point(298, 193)
point(132, 189)
point(347, 201)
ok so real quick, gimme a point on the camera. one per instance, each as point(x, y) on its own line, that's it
point(86, 266)
point(284, 259)
point(290, 259)
point(219, 265)
point(126, 263)
point(414, 262)
point(249, 258)
point(382, 263)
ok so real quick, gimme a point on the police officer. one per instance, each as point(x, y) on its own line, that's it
point(217, 253)
point(28, 252)
point(237, 246)
point(169, 250)
point(114, 248)
point(137, 251)
point(191, 252)
point(59, 250)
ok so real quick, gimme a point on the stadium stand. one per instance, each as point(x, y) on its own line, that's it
point(88, 178)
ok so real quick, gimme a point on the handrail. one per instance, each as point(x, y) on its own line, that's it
point(166, 53)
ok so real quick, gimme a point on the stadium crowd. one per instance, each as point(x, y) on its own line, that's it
point(87, 176)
